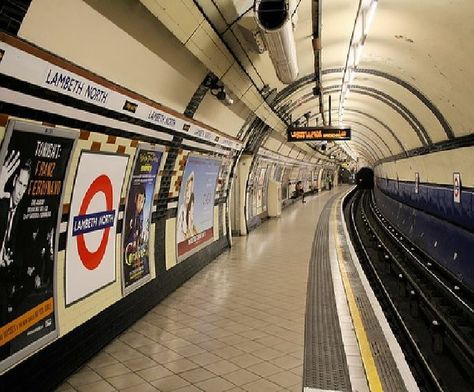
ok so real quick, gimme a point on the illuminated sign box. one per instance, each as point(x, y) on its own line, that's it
point(307, 134)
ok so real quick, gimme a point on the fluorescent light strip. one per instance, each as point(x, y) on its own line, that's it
point(361, 28)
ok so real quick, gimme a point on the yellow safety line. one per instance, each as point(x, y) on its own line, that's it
point(372, 374)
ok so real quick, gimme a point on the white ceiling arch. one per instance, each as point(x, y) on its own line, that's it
point(412, 87)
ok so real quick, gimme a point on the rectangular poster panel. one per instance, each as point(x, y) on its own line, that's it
point(195, 220)
point(137, 220)
point(457, 187)
point(261, 176)
point(35, 161)
point(90, 247)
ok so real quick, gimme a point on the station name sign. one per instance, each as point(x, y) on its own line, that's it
point(308, 134)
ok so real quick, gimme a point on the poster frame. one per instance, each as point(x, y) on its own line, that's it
point(99, 152)
point(24, 126)
point(179, 259)
point(144, 280)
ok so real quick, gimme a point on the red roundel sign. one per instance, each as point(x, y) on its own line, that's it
point(85, 223)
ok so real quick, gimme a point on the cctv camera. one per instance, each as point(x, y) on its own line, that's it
point(221, 95)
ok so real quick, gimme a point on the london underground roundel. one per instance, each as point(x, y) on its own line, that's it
point(90, 249)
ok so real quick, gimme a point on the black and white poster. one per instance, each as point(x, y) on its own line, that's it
point(35, 162)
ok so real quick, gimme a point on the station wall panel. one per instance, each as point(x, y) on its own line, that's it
point(448, 244)
point(91, 322)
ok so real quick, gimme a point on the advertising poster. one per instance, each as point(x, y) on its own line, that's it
point(261, 176)
point(35, 162)
point(278, 173)
point(195, 220)
point(90, 247)
point(137, 219)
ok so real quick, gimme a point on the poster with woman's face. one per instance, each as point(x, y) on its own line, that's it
point(195, 219)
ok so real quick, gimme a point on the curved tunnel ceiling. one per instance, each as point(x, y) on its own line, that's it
point(411, 91)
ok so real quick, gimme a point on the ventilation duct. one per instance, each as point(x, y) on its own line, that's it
point(274, 20)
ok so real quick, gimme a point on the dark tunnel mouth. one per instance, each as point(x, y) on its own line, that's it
point(272, 14)
point(365, 178)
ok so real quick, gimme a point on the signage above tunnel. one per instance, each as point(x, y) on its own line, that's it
point(324, 133)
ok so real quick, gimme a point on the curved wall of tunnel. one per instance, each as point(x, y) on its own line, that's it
point(408, 107)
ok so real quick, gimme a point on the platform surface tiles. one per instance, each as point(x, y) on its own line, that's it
point(274, 313)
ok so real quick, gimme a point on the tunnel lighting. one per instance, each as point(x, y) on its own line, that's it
point(358, 54)
point(370, 16)
point(362, 25)
point(352, 75)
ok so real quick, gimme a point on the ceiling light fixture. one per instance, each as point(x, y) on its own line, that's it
point(362, 25)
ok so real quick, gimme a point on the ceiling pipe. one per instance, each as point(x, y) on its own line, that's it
point(274, 20)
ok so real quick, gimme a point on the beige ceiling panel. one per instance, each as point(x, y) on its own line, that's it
point(236, 80)
point(293, 153)
point(284, 149)
point(274, 122)
point(352, 118)
point(332, 78)
point(252, 98)
point(337, 23)
point(181, 17)
point(434, 52)
point(209, 8)
point(380, 110)
point(372, 139)
point(407, 99)
point(207, 47)
point(303, 32)
point(134, 66)
point(213, 112)
point(272, 144)
point(262, 112)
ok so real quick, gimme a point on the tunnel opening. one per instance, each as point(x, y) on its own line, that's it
point(365, 178)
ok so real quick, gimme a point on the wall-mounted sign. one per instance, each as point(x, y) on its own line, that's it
point(93, 215)
point(302, 134)
point(66, 82)
point(457, 187)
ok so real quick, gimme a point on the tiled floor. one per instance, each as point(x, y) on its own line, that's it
point(237, 325)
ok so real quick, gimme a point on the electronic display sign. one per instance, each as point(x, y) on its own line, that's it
point(308, 134)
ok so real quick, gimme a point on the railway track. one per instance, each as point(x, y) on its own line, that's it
point(431, 313)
